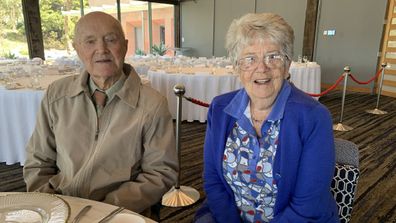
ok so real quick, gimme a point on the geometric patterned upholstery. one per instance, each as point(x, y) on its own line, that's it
point(343, 187)
point(346, 177)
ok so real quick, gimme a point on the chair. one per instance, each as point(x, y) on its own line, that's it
point(346, 176)
point(343, 185)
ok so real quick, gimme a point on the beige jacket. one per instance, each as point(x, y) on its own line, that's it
point(131, 161)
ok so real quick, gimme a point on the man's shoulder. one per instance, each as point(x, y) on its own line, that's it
point(62, 87)
point(150, 96)
point(149, 92)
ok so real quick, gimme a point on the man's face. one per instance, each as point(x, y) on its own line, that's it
point(101, 46)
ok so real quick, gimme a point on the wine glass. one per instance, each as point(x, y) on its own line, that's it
point(305, 59)
point(35, 81)
point(299, 59)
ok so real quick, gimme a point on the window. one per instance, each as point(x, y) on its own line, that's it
point(162, 34)
point(143, 27)
point(13, 42)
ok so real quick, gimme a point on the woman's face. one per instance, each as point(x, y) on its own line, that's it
point(262, 70)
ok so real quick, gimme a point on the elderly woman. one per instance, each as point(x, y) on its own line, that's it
point(269, 150)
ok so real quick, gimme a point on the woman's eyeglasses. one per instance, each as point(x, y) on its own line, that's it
point(274, 60)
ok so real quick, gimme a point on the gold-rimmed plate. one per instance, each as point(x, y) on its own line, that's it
point(33, 208)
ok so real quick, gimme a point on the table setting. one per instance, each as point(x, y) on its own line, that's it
point(34, 207)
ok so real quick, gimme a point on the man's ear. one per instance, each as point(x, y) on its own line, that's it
point(126, 45)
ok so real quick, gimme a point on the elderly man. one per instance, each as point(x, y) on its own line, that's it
point(102, 135)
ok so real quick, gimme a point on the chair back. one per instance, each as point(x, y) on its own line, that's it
point(346, 177)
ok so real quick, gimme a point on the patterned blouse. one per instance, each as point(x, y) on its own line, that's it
point(247, 169)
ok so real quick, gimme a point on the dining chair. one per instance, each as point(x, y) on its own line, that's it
point(346, 175)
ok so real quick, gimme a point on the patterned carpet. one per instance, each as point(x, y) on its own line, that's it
point(375, 135)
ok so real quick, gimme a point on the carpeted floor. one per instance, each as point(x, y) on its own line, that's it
point(375, 135)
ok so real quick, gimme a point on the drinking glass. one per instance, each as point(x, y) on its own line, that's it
point(299, 59)
point(305, 59)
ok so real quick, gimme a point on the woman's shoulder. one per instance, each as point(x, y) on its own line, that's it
point(224, 99)
point(303, 107)
point(302, 100)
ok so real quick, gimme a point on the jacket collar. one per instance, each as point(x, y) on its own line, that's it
point(129, 93)
point(238, 104)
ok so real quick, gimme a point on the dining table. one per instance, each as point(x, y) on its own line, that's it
point(306, 77)
point(69, 204)
point(200, 84)
point(19, 105)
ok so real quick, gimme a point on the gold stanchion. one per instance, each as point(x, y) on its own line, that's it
point(179, 196)
point(340, 126)
point(376, 111)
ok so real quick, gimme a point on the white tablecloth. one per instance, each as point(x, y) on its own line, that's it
point(18, 109)
point(202, 86)
point(306, 77)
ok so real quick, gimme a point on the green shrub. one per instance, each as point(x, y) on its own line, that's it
point(9, 55)
point(159, 50)
point(15, 36)
point(140, 52)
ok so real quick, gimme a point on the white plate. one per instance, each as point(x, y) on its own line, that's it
point(127, 218)
point(33, 208)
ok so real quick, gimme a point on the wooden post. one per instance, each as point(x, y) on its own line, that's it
point(34, 35)
point(310, 28)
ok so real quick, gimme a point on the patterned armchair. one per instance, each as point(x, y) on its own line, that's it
point(346, 177)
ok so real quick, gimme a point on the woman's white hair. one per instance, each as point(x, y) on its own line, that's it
point(252, 27)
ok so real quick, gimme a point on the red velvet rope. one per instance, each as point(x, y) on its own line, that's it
point(328, 89)
point(367, 82)
point(204, 104)
point(197, 102)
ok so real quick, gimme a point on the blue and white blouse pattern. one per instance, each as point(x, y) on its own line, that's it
point(247, 169)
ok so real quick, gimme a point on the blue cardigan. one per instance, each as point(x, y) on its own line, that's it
point(303, 166)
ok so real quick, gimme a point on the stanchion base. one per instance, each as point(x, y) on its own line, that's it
point(341, 127)
point(181, 197)
point(376, 112)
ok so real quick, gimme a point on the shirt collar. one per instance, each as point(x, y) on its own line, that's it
point(112, 90)
point(238, 105)
point(129, 92)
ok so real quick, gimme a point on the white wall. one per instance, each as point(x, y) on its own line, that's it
point(197, 27)
point(225, 12)
point(358, 25)
point(207, 39)
point(293, 11)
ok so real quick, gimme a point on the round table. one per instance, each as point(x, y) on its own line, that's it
point(201, 86)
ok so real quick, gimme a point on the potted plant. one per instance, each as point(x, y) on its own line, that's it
point(159, 50)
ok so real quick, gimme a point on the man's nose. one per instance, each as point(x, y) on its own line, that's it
point(102, 46)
